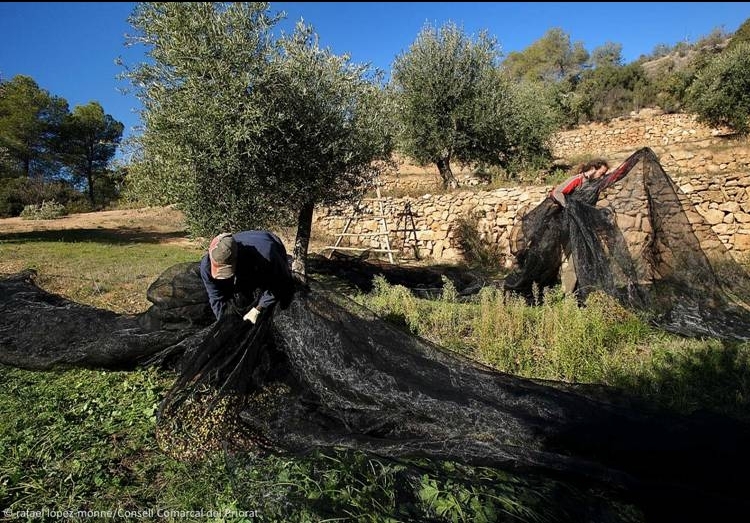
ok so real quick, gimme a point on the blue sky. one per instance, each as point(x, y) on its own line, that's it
point(70, 48)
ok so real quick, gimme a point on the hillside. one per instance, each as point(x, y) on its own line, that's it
point(681, 59)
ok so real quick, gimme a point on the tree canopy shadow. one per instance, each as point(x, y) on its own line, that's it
point(424, 281)
point(119, 235)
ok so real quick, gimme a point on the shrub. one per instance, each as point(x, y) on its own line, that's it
point(478, 252)
point(79, 205)
point(13, 198)
point(47, 210)
point(17, 193)
point(719, 93)
point(741, 35)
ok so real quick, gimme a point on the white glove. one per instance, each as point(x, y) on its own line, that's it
point(252, 316)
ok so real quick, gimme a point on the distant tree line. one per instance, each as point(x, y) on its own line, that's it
point(49, 153)
point(706, 77)
point(244, 128)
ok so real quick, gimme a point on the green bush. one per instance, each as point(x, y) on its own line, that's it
point(741, 35)
point(611, 91)
point(12, 197)
point(79, 205)
point(719, 94)
point(17, 193)
point(43, 211)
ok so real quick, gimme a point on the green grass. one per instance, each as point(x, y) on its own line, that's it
point(601, 343)
point(99, 268)
point(83, 440)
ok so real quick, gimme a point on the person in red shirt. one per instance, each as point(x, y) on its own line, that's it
point(592, 170)
point(540, 241)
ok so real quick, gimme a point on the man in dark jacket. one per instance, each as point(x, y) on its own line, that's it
point(239, 266)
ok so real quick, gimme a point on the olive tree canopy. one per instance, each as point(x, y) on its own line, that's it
point(245, 129)
point(454, 104)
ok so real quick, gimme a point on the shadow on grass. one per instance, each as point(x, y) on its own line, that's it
point(120, 235)
point(350, 273)
point(708, 379)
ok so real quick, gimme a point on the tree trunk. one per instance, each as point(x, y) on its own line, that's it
point(90, 179)
point(302, 241)
point(444, 167)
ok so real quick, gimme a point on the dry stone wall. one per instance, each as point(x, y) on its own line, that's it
point(427, 225)
point(647, 128)
point(711, 169)
point(684, 146)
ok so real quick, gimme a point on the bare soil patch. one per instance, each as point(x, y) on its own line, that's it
point(148, 224)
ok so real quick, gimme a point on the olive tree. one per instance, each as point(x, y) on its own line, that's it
point(247, 130)
point(329, 129)
point(454, 103)
point(441, 81)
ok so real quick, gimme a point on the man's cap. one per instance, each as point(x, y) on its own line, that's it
point(223, 255)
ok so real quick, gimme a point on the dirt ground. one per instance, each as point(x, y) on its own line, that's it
point(166, 222)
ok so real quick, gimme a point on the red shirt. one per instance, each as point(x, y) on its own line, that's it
point(571, 184)
point(568, 186)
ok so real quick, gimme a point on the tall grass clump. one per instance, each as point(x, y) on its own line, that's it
point(555, 340)
point(478, 252)
point(445, 320)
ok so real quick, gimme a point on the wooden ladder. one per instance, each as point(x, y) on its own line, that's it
point(382, 225)
point(409, 229)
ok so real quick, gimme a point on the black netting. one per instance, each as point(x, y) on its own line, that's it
point(179, 300)
point(328, 374)
point(39, 330)
point(636, 236)
point(424, 282)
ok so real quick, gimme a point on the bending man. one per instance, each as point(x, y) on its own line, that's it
point(249, 268)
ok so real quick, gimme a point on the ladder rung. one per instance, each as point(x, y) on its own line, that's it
point(361, 210)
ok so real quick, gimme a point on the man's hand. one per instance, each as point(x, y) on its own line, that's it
point(252, 316)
